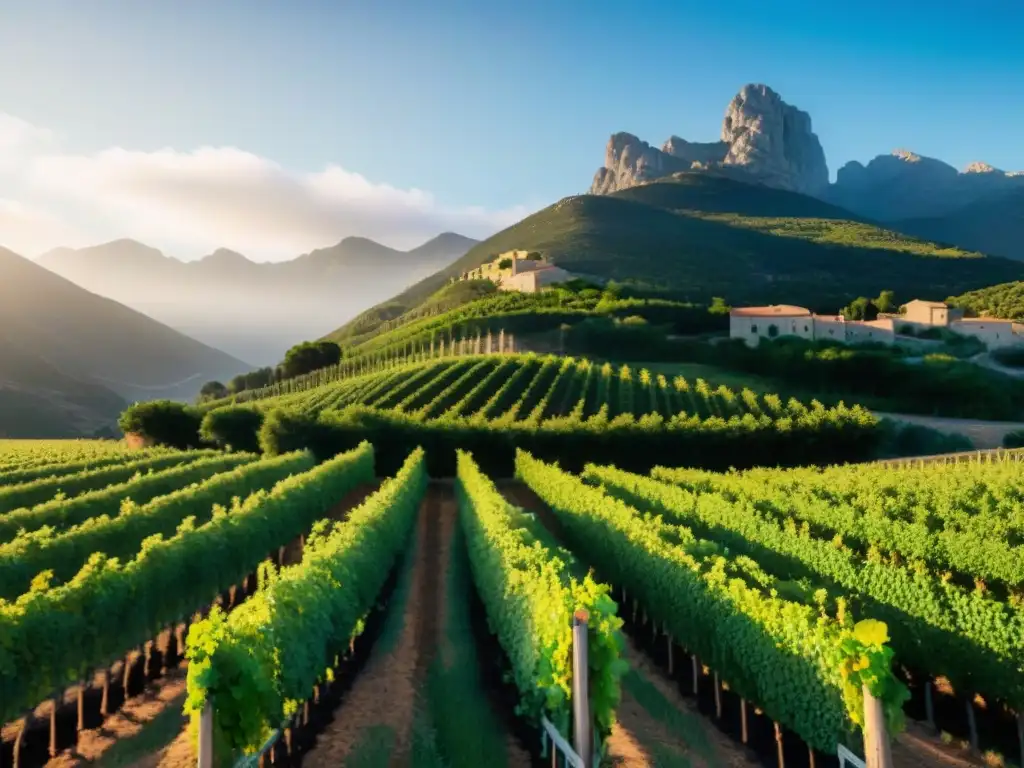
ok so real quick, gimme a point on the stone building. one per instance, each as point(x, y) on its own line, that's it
point(755, 323)
point(994, 332)
point(525, 274)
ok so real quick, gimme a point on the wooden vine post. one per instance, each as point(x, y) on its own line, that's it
point(582, 739)
point(1020, 735)
point(53, 723)
point(206, 736)
point(876, 741)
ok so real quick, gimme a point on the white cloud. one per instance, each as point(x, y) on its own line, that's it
point(24, 227)
point(222, 196)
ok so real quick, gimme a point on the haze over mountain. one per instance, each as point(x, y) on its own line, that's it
point(766, 140)
point(69, 359)
point(254, 310)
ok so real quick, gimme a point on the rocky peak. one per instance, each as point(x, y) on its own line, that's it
point(763, 139)
point(773, 141)
point(978, 167)
point(628, 161)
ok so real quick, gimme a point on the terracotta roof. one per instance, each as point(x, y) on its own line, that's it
point(775, 310)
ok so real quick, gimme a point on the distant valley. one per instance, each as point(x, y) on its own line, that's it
point(254, 311)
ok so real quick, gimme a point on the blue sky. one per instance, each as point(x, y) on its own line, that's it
point(497, 105)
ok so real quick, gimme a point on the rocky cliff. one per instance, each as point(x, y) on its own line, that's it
point(763, 139)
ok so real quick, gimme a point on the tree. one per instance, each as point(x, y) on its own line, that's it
point(213, 390)
point(718, 306)
point(886, 302)
point(261, 377)
point(860, 308)
point(163, 422)
point(310, 356)
point(505, 264)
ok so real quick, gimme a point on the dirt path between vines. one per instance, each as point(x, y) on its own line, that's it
point(640, 737)
point(643, 737)
point(379, 711)
point(149, 730)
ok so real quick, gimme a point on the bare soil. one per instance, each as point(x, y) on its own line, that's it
point(384, 695)
point(638, 733)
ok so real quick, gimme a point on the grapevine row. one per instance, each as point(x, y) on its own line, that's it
point(936, 626)
point(60, 513)
point(963, 519)
point(787, 657)
point(256, 664)
point(42, 557)
point(531, 590)
point(56, 637)
point(45, 487)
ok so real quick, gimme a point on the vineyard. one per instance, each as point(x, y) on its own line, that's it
point(559, 408)
point(333, 611)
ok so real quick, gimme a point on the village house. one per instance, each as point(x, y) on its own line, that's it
point(525, 274)
point(755, 323)
point(994, 332)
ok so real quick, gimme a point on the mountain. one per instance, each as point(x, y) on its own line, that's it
point(993, 224)
point(695, 236)
point(68, 354)
point(763, 139)
point(37, 400)
point(254, 310)
point(905, 185)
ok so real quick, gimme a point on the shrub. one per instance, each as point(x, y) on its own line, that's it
point(917, 440)
point(1012, 357)
point(163, 422)
point(235, 427)
point(282, 429)
point(1014, 439)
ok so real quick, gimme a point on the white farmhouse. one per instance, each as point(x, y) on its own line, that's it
point(994, 332)
point(755, 323)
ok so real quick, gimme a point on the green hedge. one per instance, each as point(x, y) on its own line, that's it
point(163, 422)
point(234, 427)
point(816, 437)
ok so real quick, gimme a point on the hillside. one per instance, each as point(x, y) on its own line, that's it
point(71, 349)
point(254, 310)
point(37, 400)
point(696, 236)
point(994, 225)
point(1005, 300)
